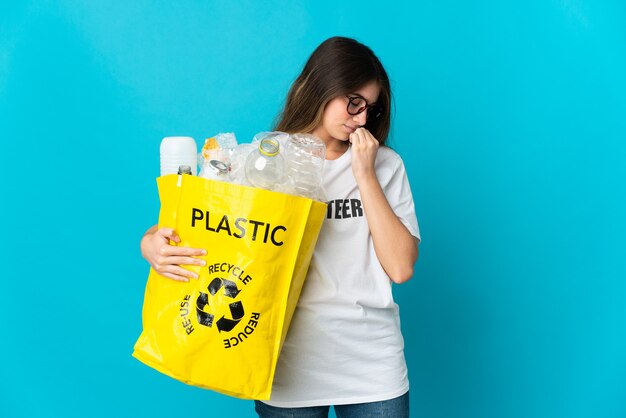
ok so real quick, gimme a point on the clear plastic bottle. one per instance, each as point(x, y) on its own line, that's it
point(265, 167)
point(305, 155)
point(238, 162)
point(281, 137)
point(184, 169)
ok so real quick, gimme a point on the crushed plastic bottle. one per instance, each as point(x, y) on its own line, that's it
point(304, 156)
point(238, 161)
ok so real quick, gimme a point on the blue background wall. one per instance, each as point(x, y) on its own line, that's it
point(511, 119)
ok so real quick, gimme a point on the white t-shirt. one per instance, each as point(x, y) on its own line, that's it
point(344, 344)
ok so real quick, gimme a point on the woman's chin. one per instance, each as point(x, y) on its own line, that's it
point(342, 136)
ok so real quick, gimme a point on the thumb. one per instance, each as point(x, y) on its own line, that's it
point(169, 234)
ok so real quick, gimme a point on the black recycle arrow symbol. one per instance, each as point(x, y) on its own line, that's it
point(204, 318)
point(236, 308)
point(225, 324)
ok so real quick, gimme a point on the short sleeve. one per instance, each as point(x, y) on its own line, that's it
point(399, 196)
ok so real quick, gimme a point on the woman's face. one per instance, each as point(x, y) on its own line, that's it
point(337, 124)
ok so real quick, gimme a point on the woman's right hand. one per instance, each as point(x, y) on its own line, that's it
point(167, 259)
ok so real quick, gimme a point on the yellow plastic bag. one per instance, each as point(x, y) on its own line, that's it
point(225, 330)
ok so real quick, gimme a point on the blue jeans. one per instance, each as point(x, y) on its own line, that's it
point(392, 408)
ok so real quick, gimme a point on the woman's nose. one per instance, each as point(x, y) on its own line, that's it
point(361, 118)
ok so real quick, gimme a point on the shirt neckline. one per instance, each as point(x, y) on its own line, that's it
point(341, 157)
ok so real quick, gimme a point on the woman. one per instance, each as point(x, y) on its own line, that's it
point(344, 346)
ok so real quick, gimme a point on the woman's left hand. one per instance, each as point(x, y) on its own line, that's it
point(364, 150)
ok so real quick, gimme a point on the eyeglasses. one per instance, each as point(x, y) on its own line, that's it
point(357, 104)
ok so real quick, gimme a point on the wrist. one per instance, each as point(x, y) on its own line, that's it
point(144, 240)
point(366, 178)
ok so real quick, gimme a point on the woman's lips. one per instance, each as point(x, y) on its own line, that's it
point(350, 129)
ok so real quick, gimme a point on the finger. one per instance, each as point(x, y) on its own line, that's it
point(355, 138)
point(170, 234)
point(368, 139)
point(361, 132)
point(169, 250)
point(175, 277)
point(366, 134)
point(190, 261)
point(178, 271)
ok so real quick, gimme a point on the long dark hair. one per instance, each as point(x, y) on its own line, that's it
point(337, 67)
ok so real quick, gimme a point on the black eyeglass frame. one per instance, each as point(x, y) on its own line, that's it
point(373, 110)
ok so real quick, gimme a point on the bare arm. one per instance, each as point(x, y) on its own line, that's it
point(395, 247)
